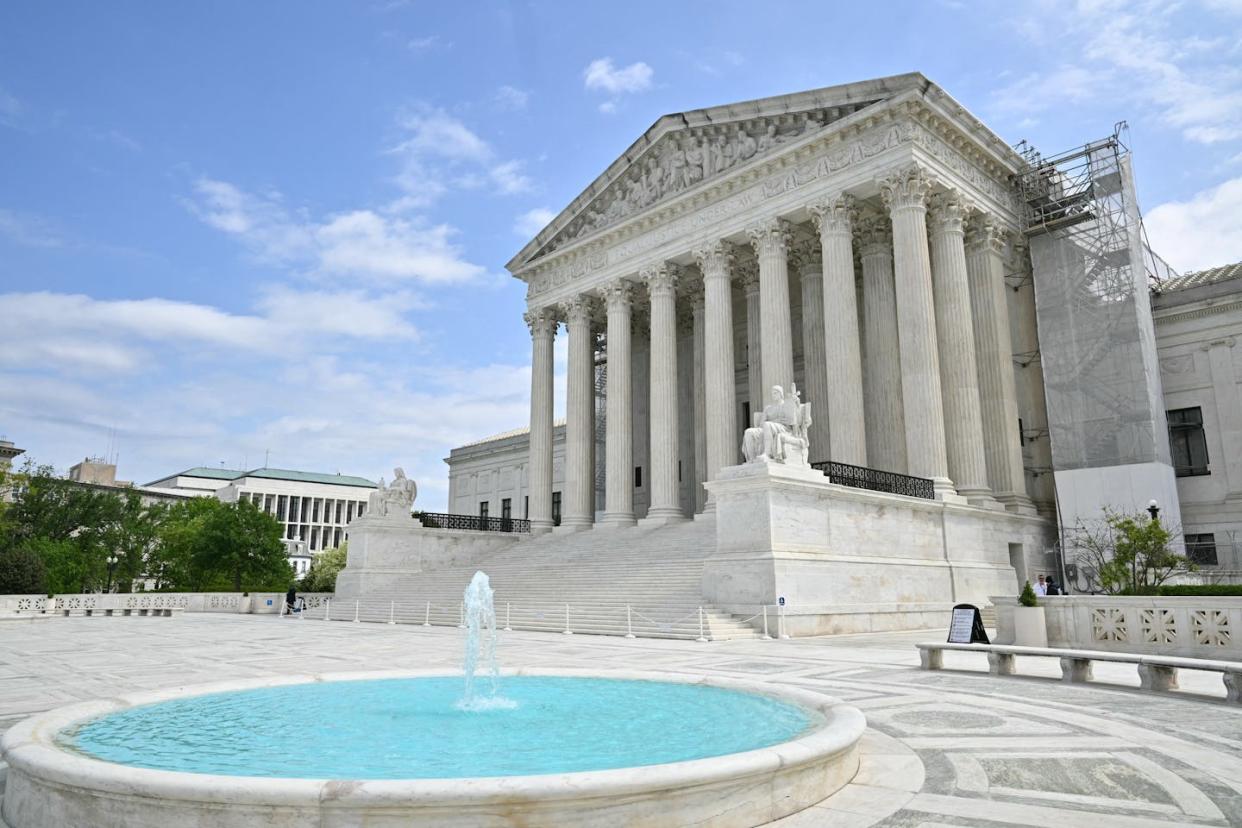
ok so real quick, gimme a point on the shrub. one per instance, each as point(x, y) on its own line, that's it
point(1200, 589)
point(1027, 598)
point(22, 572)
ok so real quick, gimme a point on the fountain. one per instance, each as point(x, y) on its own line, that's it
point(481, 640)
point(560, 747)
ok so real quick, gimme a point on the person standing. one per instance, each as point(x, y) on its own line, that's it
point(1041, 587)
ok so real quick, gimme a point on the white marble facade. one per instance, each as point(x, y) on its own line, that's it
point(779, 241)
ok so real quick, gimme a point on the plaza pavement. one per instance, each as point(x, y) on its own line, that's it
point(942, 748)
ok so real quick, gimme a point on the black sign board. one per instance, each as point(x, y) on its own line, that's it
point(967, 626)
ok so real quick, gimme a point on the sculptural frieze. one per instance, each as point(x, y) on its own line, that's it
point(394, 499)
point(779, 433)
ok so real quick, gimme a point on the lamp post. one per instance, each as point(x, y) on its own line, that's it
point(1153, 509)
point(113, 560)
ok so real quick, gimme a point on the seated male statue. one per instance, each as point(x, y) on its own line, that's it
point(396, 498)
point(779, 432)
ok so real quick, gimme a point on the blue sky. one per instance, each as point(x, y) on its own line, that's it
point(235, 228)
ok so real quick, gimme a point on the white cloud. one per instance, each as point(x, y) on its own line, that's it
point(28, 230)
point(1203, 231)
point(532, 221)
point(360, 243)
point(608, 107)
point(602, 75)
point(433, 132)
point(426, 44)
point(440, 152)
point(510, 179)
point(511, 98)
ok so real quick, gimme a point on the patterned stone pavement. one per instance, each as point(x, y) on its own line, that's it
point(943, 748)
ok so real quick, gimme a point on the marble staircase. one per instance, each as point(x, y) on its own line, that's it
point(582, 582)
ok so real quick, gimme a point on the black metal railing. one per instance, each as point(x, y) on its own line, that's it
point(875, 480)
point(474, 523)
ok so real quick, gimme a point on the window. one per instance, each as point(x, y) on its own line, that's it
point(339, 504)
point(1201, 549)
point(638, 477)
point(349, 511)
point(1187, 442)
point(506, 508)
point(556, 508)
point(746, 415)
point(282, 503)
point(483, 509)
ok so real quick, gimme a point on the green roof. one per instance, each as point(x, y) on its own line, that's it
point(309, 477)
point(274, 474)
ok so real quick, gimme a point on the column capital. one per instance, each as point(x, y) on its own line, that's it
point(617, 294)
point(835, 214)
point(769, 236)
point(947, 212)
point(983, 232)
point(748, 277)
point(661, 279)
point(715, 259)
point(875, 234)
point(541, 321)
point(906, 188)
point(807, 256)
point(579, 309)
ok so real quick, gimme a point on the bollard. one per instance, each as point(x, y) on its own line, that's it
point(508, 609)
point(702, 638)
point(765, 623)
point(427, 616)
point(327, 609)
point(461, 616)
point(568, 631)
point(780, 626)
point(356, 612)
point(629, 628)
point(392, 612)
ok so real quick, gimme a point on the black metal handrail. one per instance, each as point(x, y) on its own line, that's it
point(443, 520)
point(875, 480)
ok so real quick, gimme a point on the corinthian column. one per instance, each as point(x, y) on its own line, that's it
point(542, 333)
point(661, 282)
point(578, 506)
point(715, 261)
point(811, 275)
point(886, 423)
point(954, 331)
point(619, 435)
point(905, 195)
point(771, 242)
point(1002, 449)
point(842, 357)
point(700, 402)
point(748, 278)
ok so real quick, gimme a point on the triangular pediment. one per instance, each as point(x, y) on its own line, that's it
point(683, 150)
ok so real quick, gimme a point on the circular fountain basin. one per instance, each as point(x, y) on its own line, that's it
point(381, 749)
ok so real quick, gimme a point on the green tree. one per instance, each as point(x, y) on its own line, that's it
point(216, 545)
point(1129, 554)
point(321, 577)
point(22, 572)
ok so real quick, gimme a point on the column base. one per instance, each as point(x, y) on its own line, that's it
point(567, 528)
point(981, 498)
point(616, 520)
point(540, 527)
point(944, 491)
point(662, 517)
point(1019, 504)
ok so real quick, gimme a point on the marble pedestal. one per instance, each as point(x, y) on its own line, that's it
point(848, 560)
point(384, 548)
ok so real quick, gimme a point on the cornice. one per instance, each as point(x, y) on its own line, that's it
point(1197, 313)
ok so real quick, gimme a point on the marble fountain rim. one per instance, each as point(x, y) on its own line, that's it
point(33, 755)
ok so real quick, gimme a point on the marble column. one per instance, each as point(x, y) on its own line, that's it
point(715, 261)
point(661, 282)
point(959, 380)
point(998, 398)
point(905, 195)
point(842, 351)
point(811, 275)
point(700, 403)
point(619, 423)
point(542, 325)
point(885, 415)
point(578, 503)
point(748, 278)
point(770, 240)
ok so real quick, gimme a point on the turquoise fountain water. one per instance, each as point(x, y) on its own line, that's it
point(426, 728)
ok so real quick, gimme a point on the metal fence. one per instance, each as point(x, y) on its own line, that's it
point(875, 480)
point(474, 523)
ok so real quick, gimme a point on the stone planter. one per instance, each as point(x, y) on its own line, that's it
point(1029, 627)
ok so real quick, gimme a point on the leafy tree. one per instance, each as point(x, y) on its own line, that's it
point(1129, 554)
point(1027, 597)
point(321, 577)
point(22, 572)
point(239, 544)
